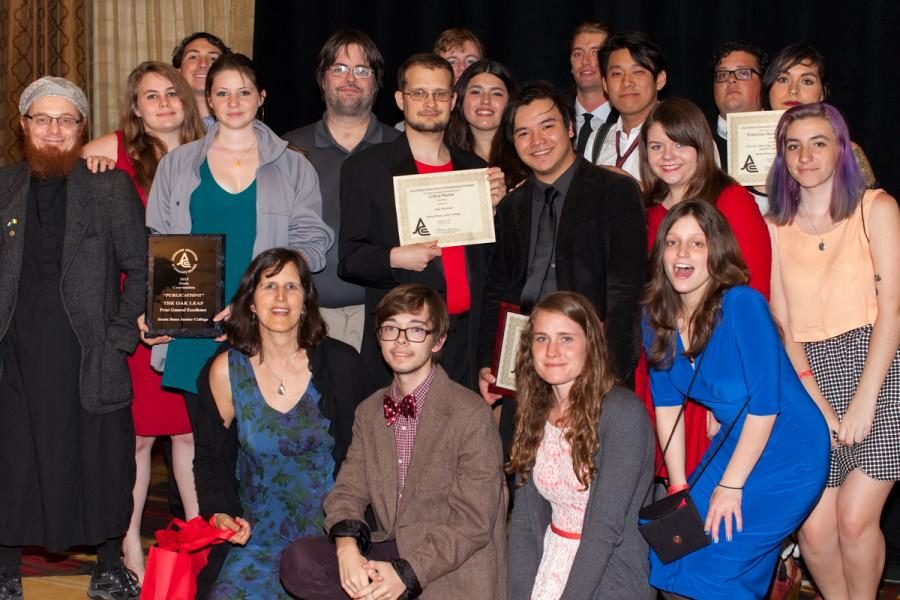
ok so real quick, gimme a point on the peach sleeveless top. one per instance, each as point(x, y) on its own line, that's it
point(830, 291)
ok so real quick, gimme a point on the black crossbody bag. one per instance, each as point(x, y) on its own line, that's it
point(672, 526)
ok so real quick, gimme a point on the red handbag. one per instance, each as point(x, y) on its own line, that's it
point(788, 575)
point(180, 553)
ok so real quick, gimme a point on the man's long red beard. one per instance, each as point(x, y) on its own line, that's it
point(51, 161)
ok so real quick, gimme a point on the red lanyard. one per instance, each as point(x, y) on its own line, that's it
point(620, 160)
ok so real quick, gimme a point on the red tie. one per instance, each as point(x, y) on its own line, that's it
point(406, 407)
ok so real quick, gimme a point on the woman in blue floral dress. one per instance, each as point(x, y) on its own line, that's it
point(281, 410)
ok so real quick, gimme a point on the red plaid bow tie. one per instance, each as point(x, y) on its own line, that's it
point(406, 407)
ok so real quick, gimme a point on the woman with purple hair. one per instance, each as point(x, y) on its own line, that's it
point(836, 294)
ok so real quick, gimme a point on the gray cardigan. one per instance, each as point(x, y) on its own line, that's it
point(288, 201)
point(612, 559)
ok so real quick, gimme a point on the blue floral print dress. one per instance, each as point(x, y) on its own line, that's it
point(284, 468)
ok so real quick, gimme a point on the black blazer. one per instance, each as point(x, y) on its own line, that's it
point(342, 382)
point(369, 230)
point(601, 252)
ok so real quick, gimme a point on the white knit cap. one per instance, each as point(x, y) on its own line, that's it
point(53, 86)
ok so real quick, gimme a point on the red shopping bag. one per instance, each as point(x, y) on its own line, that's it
point(180, 554)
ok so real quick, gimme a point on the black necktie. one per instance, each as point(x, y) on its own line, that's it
point(544, 245)
point(584, 133)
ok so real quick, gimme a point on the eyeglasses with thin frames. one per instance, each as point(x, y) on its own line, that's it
point(422, 95)
point(742, 74)
point(389, 333)
point(64, 121)
point(359, 71)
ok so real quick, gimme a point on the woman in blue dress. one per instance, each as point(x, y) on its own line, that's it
point(769, 472)
point(277, 427)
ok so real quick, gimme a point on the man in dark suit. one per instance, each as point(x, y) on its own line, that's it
point(571, 226)
point(370, 251)
point(66, 327)
point(440, 517)
point(590, 104)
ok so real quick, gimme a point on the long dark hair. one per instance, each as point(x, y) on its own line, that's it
point(663, 305)
point(243, 329)
point(535, 396)
point(145, 149)
point(787, 57)
point(234, 61)
point(684, 124)
point(459, 133)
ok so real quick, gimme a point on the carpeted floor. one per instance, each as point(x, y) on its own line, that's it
point(65, 576)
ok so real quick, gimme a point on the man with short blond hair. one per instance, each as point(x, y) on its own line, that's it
point(459, 47)
point(592, 110)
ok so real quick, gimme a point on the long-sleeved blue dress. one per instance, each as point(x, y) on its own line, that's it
point(745, 359)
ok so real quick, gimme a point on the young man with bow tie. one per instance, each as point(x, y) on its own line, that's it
point(426, 456)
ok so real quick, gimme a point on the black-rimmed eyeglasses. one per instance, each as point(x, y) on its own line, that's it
point(389, 333)
point(742, 74)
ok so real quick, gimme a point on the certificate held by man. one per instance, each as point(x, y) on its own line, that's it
point(751, 145)
point(452, 209)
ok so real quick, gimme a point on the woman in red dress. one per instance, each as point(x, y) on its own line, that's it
point(159, 115)
point(678, 162)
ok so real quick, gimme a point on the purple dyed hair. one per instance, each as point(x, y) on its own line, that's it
point(848, 184)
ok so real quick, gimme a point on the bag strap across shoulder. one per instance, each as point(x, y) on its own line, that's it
point(598, 140)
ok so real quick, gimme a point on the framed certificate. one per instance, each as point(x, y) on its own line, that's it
point(751, 145)
point(510, 326)
point(452, 209)
point(186, 284)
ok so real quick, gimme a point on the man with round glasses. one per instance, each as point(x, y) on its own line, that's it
point(426, 457)
point(370, 250)
point(349, 72)
point(66, 327)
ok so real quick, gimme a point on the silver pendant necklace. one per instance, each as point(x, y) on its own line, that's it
point(281, 389)
point(818, 235)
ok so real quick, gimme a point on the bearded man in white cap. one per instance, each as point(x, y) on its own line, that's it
point(66, 326)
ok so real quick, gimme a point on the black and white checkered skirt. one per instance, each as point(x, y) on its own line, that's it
point(837, 364)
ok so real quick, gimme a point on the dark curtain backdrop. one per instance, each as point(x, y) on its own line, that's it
point(859, 41)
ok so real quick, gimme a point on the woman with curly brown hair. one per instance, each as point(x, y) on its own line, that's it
point(583, 456)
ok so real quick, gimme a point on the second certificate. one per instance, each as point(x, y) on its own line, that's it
point(453, 208)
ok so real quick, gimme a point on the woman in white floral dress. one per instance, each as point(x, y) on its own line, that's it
point(583, 455)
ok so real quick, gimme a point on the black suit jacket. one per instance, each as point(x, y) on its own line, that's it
point(369, 230)
point(601, 252)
